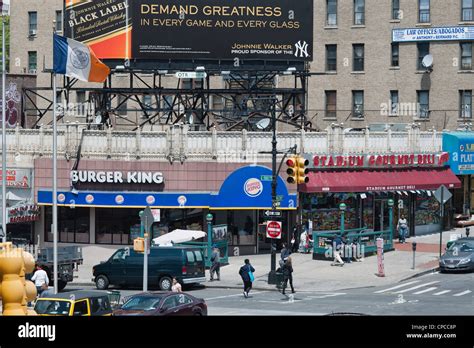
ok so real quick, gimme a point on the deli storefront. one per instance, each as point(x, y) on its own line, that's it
point(99, 202)
point(365, 183)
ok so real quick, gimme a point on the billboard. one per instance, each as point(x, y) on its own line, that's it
point(194, 29)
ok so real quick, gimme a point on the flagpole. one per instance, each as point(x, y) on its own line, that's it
point(55, 188)
point(4, 137)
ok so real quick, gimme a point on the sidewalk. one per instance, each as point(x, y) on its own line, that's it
point(309, 274)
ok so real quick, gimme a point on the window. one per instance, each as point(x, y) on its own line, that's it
point(183, 300)
point(80, 308)
point(113, 225)
point(466, 56)
point(59, 21)
point(331, 57)
point(394, 103)
point(32, 23)
point(395, 54)
point(81, 103)
point(331, 104)
point(423, 104)
point(99, 304)
point(359, 12)
point(358, 53)
point(198, 256)
point(423, 50)
point(396, 9)
point(122, 105)
point(147, 105)
point(465, 104)
point(32, 62)
point(467, 6)
point(73, 225)
point(331, 18)
point(424, 11)
point(190, 257)
point(358, 104)
point(170, 303)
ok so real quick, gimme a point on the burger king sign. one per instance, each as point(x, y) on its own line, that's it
point(253, 187)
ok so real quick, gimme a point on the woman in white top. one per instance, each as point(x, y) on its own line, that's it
point(402, 227)
point(176, 286)
point(41, 280)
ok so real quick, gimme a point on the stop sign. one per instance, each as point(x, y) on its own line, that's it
point(274, 229)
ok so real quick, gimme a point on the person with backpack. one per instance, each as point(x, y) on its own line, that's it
point(216, 264)
point(246, 272)
point(287, 270)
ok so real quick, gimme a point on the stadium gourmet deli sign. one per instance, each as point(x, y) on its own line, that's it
point(378, 161)
point(102, 177)
point(195, 29)
point(433, 34)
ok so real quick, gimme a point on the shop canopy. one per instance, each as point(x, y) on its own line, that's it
point(380, 180)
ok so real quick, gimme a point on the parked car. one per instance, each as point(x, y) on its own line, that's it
point(162, 304)
point(78, 303)
point(459, 256)
point(125, 268)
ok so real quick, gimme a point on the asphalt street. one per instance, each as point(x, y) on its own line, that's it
point(433, 294)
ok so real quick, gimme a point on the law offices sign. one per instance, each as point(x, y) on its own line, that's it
point(459, 33)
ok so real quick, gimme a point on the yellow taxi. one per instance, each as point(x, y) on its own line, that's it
point(77, 303)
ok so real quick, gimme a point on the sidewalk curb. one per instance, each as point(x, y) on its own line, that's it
point(428, 271)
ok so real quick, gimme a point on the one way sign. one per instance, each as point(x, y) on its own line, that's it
point(273, 213)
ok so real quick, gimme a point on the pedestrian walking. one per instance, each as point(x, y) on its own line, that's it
point(246, 272)
point(216, 263)
point(41, 280)
point(176, 287)
point(337, 247)
point(402, 228)
point(285, 252)
point(294, 239)
point(287, 270)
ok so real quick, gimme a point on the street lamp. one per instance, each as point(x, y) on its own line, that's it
point(342, 208)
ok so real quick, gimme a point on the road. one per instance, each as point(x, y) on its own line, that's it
point(434, 294)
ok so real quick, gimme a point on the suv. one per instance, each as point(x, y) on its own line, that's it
point(125, 268)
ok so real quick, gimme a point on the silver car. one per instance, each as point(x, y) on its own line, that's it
point(459, 256)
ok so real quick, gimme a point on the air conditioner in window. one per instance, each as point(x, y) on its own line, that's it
point(33, 32)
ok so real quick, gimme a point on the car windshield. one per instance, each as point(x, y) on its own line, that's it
point(52, 307)
point(145, 303)
point(462, 247)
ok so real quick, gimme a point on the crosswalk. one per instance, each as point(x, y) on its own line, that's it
point(417, 287)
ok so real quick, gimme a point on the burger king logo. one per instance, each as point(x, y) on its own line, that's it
point(89, 199)
point(61, 198)
point(119, 199)
point(150, 200)
point(253, 187)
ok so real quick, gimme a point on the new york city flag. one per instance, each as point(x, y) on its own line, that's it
point(74, 59)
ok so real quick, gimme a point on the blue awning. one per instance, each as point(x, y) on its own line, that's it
point(246, 188)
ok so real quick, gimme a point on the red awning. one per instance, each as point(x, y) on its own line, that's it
point(380, 180)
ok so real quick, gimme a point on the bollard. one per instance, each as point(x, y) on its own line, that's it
point(467, 231)
point(413, 246)
point(380, 258)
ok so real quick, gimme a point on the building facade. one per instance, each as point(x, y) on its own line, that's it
point(363, 76)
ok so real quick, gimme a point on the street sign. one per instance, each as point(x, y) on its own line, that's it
point(148, 219)
point(266, 178)
point(274, 229)
point(442, 194)
point(275, 213)
point(190, 75)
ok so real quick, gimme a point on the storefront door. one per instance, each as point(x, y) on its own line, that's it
point(381, 215)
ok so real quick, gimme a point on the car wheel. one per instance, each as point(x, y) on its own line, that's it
point(102, 282)
point(61, 284)
point(165, 283)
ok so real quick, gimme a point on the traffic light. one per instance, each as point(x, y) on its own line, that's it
point(15, 290)
point(292, 170)
point(139, 245)
point(302, 171)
